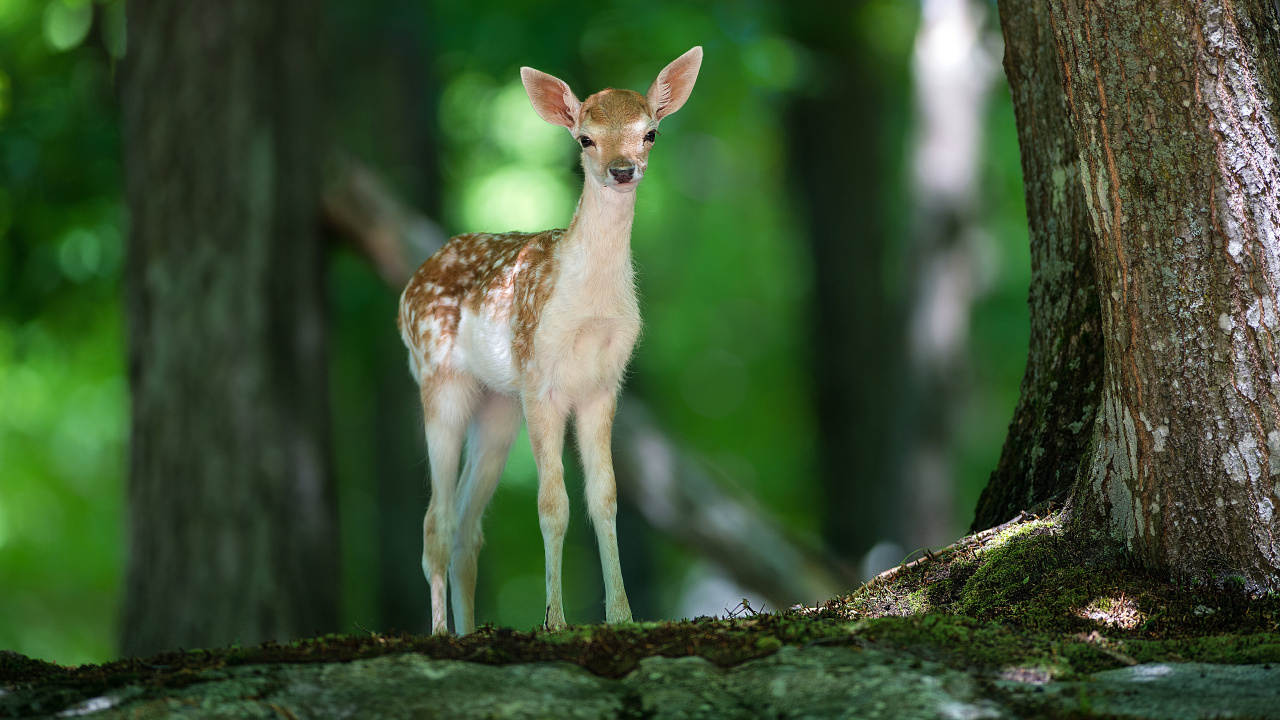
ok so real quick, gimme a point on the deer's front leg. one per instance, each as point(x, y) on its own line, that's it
point(546, 421)
point(594, 424)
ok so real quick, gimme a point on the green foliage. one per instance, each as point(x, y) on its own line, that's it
point(62, 387)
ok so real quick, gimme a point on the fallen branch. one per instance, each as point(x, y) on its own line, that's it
point(673, 493)
point(680, 499)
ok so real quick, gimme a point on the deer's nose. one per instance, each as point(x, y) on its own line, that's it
point(622, 170)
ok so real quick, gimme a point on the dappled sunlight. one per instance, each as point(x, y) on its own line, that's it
point(88, 252)
point(1148, 673)
point(1035, 526)
point(66, 24)
point(1118, 612)
point(1028, 675)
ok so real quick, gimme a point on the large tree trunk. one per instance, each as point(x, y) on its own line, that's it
point(1168, 115)
point(1053, 421)
point(232, 530)
point(1174, 109)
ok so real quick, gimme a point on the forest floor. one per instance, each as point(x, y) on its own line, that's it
point(1011, 622)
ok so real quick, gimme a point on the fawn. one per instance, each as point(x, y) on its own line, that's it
point(540, 322)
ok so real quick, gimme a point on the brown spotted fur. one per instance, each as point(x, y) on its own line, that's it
point(488, 273)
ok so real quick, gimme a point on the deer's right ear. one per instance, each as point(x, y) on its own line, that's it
point(551, 97)
point(674, 83)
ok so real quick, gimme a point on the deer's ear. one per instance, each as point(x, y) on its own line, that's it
point(551, 97)
point(674, 83)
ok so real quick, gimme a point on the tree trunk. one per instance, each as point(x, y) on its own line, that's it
point(232, 529)
point(1061, 389)
point(404, 597)
point(954, 71)
point(1157, 123)
point(1175, 114)
point(842, 147)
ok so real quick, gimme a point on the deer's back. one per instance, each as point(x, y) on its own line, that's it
point(473, 306)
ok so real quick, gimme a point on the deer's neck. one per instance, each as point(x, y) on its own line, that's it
point(597, 245)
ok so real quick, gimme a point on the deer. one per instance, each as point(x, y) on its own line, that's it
point(540, 325)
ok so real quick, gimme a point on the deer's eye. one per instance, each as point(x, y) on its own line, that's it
point(586, 141)
point(651, 136)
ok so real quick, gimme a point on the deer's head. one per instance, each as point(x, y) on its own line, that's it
point(616, 128)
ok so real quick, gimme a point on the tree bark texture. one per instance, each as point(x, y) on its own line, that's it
point(840, 155)
point(232, 533)
point(1174, 110)
point(1061, 389)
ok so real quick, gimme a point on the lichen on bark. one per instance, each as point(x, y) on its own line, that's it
point(1173, 107)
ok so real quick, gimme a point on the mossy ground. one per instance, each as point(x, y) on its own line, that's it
point(1021, 602)
point(1025, 598)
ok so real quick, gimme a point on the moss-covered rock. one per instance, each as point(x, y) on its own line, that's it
point(1011, 622)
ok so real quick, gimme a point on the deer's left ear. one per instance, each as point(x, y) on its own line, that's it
point(674, 83)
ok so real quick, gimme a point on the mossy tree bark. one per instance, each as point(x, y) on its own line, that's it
point(1174, 109)
point(1062, 386)
point(231, 528)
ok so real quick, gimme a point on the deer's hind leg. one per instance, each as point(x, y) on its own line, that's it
point(489, 438)
point(447, 403)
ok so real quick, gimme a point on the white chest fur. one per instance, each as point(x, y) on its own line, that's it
point(591, 321)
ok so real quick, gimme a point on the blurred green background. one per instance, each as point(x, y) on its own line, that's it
point(428, 94)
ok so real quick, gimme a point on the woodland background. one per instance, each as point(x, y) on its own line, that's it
point(740, 283)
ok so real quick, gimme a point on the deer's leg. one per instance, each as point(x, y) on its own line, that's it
point(546, 434)
point(489, 438)
point(594, 425)
point(447, 401)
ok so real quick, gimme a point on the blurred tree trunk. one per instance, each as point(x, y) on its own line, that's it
point(954, 72)
point(232, 533)
point(1173, 109)
point(841, 136)
point(1062, 386)
point(404, 598)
